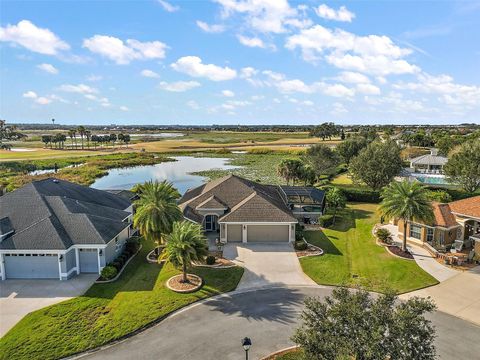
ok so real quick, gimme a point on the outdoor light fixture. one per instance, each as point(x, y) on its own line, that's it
point(60, 258)
point(246, 343)
point(100, 252)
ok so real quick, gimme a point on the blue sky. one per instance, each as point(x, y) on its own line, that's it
point(240, 62)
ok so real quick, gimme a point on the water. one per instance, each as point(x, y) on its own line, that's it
point(177, 172)
point(50, 171)
point(436, 180)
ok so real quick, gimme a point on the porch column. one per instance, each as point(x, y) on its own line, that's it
point(2, 267)
point(244, 233)
point(77, 260)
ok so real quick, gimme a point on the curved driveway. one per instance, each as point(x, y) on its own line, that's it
point(214, 328)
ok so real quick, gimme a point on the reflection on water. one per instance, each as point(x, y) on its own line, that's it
point(176, 172)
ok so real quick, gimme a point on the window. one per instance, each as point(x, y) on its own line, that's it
point(429, 235)
point(415, 231)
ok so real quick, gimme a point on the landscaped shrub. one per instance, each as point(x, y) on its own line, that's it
point(298, 235)
point(210, 260)
point(384, 235)
point(117, 264)
point(361, 195)
point(325, 220)
point(109, 272)
point(300, 245)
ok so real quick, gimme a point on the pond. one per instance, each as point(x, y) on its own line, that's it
point(178, 172)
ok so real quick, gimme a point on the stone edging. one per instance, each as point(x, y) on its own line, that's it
point(280, 352)
point(214, 266)
point(156, 261)
point(309, 255)
point(185, 291)
point(400, 257)
point(121, 270)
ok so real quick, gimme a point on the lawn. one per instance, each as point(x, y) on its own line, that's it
point(353, 258)
point(108, 311)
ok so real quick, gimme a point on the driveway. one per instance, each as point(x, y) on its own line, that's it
point(213, 329)
point(458, 296)
point(267, 264)
point(20, 297)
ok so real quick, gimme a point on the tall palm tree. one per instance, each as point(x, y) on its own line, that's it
point(156, 210)
point(81, 130)
point(407, 201)
point(72, 133)
point(186, 243)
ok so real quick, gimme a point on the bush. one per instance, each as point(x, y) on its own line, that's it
point(109, 272)
point(384, 235)
point(300, 245)
point(117, 265)
point(325, 220)
point(210, 260)
point(298, 235)
point(361, 195)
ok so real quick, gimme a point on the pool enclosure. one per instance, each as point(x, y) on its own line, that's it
point(306, 202)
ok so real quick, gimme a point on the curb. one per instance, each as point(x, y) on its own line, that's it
point(121, 270)
point(280, 352)
point(151, 261)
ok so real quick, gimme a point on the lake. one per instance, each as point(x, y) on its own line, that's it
point(177, 172)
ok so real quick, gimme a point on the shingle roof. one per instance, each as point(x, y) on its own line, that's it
point(212, 203)
point(250, 201)
point(429, 159)
point(54, 214)
point(468, 207)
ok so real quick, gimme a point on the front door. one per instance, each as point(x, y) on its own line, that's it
point(211, 222)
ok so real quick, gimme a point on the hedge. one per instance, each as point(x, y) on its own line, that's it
point(361, 195)
point(325, 221)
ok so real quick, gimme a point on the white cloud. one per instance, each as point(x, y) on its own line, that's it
point(266, 16)
point(353, 77)
point(30, 95)
point(124, 52)
point(295, 85)
point(228, 93)
point(193, 66)
point(342, 14)
point(308, 103)
point(79, 89)
point(338, 109)
point(149, 73)
point(179, 86)
point(251, 42)
point(167, 6)
point(368, 89)
point(337, 90)
point(43, 100)
point(214, 28)
point(33, 38)
point(248, 72)
point(93, 78)
point(193, 104)
point(49, 68)
point(372, 54)
point(124, 108)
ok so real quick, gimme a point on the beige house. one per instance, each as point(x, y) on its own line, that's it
point(456, 222)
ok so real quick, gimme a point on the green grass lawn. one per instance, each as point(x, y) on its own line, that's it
point(108, 311)
point(353, 258)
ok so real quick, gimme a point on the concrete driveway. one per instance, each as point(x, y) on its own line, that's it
point(20, 297)
point(267, 264)
point(213, 329)
point(459, 295)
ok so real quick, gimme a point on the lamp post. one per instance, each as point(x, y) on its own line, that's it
point(246, 343)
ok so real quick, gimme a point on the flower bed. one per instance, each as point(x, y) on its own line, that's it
point(220, 263)
point(176, 284)
point(101, 280)
point(112, 270)
point(396, 251)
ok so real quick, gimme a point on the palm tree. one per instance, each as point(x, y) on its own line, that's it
point(407, 201)
point(73, 133)
point(81, 131)
point(186, 243)
point(156, 210)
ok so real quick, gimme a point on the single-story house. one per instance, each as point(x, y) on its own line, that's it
point(430, 164)
point(457, 221)
point(56, 229)
point(241, 210)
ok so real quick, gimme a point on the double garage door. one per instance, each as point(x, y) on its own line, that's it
point(268, 233)
point(31, 266)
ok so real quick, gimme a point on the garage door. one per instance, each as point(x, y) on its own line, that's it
point(234, 233)
point(263, 233)
point(88, 260)
point(31, 266)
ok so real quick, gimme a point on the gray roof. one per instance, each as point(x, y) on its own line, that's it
point(244, 201)
point(429, 159)
point(55, 214)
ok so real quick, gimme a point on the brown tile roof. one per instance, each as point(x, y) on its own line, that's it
point(212, 203)
point(443, 215)
point(468, 207)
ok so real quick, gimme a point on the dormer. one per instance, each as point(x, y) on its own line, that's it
point(212, 205)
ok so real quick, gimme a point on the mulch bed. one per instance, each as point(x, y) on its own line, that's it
point(175, 283)
point(399, 252)
point(310, 251)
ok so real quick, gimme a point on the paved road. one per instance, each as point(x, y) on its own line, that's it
point(214, 329)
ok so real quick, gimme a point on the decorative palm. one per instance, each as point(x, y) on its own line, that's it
point(407, 201)
point(186, 243)
point(156, 210)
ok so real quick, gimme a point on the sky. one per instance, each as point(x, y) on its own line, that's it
point(240, 62)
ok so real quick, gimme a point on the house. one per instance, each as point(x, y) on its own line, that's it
point(455, 222)
point(57, 229)
point(430, 163)
point(241, 210)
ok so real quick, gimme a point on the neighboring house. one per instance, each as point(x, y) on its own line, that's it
point(430, 164)
point(56, 229)
point(241, 210)
point(458, 221)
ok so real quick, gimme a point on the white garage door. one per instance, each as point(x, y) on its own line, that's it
point(31, 266)
point(266, 233)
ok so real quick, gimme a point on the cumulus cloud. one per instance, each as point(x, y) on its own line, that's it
point(30, 95)
point(342, 14)
point(122, 52)
point(228, 93)
point(193, 66)
point(167, 6)
point(33, 38)
point(368, 89)
point(372, 54)
point(179, 86)
point(338, 109)
point(353, 77)
point(79, 89)
point(149, 73)
point(248, 72)
point(251, 41)
point(41, 100)
point(124, 108)
point(214, 28)
point(49, 68)
point(193, 105)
